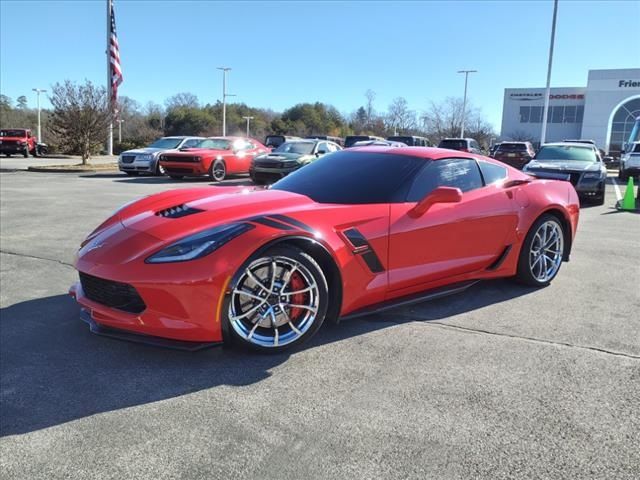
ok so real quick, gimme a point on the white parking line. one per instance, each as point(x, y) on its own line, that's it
point(617, 188)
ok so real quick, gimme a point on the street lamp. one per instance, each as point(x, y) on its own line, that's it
point(545, 109)
point(248, 119)
point(464, 102)
point(224, 99)
point(39, 91)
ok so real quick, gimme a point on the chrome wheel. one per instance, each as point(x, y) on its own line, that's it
point(219, 171)
point(275, 302)
point(545, 254)
point(160, 170)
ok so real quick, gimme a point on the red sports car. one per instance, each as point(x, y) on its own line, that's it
point(356, 231)
point(216, 157)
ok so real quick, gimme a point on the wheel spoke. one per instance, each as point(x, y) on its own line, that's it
point(242, 291)
point(287, 276)
point(307, 307)
point(304, 290)
point(254, 277)
point(247, 313)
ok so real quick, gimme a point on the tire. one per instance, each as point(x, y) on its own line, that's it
point(26, 152)
point(256, 180)
point(132, 174)
point(8, 155)
point(264, 320)
point(218, 171)
point(623, 176)
point(176, 177)
point(535, 267)
point(159, 172)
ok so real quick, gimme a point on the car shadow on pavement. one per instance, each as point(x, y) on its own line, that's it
point(55, 371)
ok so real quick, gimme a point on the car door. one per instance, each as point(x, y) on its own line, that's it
point(450, 239)
point(244, 152)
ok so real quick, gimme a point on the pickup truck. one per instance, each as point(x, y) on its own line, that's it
point(18, 140)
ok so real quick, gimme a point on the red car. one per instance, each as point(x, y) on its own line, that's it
point(18, 140)
point(335, 240)
point(216, 157)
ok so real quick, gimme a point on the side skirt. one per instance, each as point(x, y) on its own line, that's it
point(411, 299)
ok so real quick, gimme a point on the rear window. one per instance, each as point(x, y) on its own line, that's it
point(636, 148)
point(274, 140)
point(352, 177)
point(453, 144)
point(410, 141)
point(512, 147)
point(492, 173)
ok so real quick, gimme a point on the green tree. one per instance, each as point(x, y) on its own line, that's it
point(188, 121)
point(22, 102)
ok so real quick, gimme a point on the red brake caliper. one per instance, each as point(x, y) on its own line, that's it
point(296, 283)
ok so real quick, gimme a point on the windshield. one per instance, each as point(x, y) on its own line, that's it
point(352, 177)
point(636, 148)
point(13, 133)
point(566, 152)
point(302, 148)
point(453, 144)
point(274, 140)
point(512, 147)
point(214, 144)
point(166, 143)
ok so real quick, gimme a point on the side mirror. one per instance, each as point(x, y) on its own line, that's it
point(439, 195)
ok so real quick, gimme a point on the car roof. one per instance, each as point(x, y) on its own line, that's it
point(568, 144)
point(180, 137)
point(428, 153)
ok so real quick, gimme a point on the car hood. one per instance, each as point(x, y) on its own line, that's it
point(141, 151)
point(559, 165)
point(280, 157)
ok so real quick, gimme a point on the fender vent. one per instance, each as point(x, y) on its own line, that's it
point(177, 211)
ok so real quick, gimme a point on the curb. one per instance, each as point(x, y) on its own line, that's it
point(68, 170)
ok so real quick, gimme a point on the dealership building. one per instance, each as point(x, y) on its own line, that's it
point(604, 110)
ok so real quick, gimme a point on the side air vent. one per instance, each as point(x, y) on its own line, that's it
point(177, 211)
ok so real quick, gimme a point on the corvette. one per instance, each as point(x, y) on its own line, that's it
point(355, 232)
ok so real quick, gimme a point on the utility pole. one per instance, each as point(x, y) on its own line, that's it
point(545, 110)
point(39, 91)
point(224, 99)
point(464, 101)
point(248, 119)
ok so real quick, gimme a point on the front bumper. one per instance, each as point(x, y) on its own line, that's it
point(98, 329)
point(184, 168)
point(145, 166)
point(631, 170)
point(272, 173)
point(11, 148)
point(591, 188)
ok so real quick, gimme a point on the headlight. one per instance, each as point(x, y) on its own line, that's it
point(592, 175)
point(200, 244)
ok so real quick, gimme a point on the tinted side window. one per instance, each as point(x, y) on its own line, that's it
point(492, 173)
point(459, 173)
point(192, 142)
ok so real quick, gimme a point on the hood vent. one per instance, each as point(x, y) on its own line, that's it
point(178, 211)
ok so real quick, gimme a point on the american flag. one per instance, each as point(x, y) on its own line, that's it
point(115, 70)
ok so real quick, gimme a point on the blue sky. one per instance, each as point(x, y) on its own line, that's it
point(284, 53)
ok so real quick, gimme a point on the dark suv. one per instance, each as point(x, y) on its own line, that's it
point(516, 154)
point(461, 144)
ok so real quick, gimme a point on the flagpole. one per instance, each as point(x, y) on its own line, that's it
point(109, 92)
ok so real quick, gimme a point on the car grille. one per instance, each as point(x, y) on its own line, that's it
point(574, 177)
point(121, 296)
point(180, 158)
point(128, 158)
point(178, 170)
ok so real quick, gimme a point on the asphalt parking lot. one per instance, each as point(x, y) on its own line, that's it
point(501, 381)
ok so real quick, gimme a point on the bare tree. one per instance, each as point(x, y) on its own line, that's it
point(520, 136)
point(80, 117)
point(444, 119)
point(370, 112)
point(184, 99)
point(400, 119)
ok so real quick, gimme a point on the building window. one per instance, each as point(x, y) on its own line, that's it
point(579, 114)
point(536, 115)
point(524, 114)
point(623, 121)
point(557, 114)
point(569, 114)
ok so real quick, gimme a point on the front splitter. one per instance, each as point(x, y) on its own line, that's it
point(118, 334)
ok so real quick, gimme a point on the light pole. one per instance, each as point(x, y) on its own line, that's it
point(248, 119)
point(464, 101)
point(39, 91)
point(224, 99)
point(545, 110)
point(120, 121)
